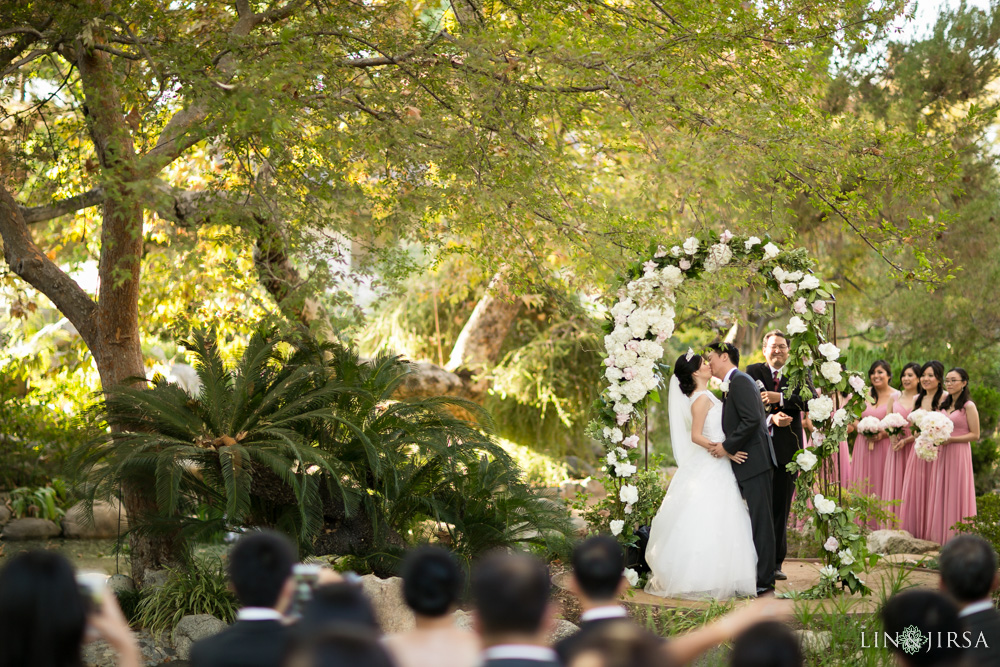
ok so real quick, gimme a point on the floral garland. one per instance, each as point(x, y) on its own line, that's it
point(642, 319)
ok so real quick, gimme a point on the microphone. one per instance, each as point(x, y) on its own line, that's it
point(760, 385)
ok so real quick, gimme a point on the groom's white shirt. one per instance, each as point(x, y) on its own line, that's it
point(730, 374)
point(607, 611)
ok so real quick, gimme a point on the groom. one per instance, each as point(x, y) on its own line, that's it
point(745, 426)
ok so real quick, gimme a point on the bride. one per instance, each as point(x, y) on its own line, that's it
point(700, 542)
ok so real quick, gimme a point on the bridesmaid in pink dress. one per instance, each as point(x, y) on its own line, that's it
point(952, 494)
point(871, 452)
point(916, 478)
point(895, 466)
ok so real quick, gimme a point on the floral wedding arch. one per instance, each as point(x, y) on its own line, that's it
point(642, 319)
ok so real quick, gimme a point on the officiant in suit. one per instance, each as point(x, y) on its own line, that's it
point(784, 423)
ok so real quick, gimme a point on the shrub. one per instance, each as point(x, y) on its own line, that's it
point(201, 587)
point(986, 523)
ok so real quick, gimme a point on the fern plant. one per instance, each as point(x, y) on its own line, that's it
point(201, 587)
point(308, 438)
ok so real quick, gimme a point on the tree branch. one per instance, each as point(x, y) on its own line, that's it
point(36, 214)
point(30, 263)
point(34, 55)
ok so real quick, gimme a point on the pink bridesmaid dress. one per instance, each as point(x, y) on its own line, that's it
point(951, 494)
point(868, 465)
point(914, 497)
point(895, 467)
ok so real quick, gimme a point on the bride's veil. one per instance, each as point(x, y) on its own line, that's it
point(679, 413)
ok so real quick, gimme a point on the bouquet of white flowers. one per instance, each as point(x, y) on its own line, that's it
point(893, 424)
point(935, 428)
point(915, 418)
point(869, 426)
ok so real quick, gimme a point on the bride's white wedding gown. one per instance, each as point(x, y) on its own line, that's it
point(700, 542)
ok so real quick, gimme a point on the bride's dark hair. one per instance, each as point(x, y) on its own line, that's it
point(685, 369)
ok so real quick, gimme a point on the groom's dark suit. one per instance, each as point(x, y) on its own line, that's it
point(744, 423)
point(786, 440)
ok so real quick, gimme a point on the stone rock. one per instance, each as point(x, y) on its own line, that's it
point(77, 525)
point(153, 648)
point(898, 542)
point(5, 515)
point(580, 525)
point(153, 579)
point(814, 641)
point(30, 529)
point(119, 583)
point(193, 628)
point(562, 629)
point(386, 596)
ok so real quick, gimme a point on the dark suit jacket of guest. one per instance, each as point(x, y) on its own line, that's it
point(786, 439)
point(243, 644)
point(567, 647)
point(986, 622)
point(744, 422)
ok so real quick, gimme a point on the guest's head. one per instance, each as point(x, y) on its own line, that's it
point(775, 348)
point(432, 581)
point(260, 569)
point(767, 644)
point(332, 605)
point(722, 357)
point(337, 646)
point(909, 378)
point(968, 567)
point(42, 613)
point(879, 375)
point(956, 386)
point(932, 613)
point(511, 594)
point(618, 644)
point(931, 383)
point(689, 370)
point(598, 563)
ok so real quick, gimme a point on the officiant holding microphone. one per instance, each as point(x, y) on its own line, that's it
point(784, 421)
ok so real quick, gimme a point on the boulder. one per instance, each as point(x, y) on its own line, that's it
point(579, 468)
point(898, 542)
point(562, 629)
point(193, 628)
point(120, 583)
point(104, 524)
point(154, 651)
point(814, 642)
point(30, 529)
point(5, 515)
point(386, 596)
point(580, 525)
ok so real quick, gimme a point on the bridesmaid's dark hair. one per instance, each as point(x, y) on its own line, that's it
point(685, 370)
point(938, 369)
point(878, 363)
point(912, 366)
point(964, 397)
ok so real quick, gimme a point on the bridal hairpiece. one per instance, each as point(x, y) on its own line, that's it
point(690, 354)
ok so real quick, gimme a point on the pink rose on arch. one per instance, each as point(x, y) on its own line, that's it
point(631, 442)
point(819, 307)
point(788, 289)
point(726, 236)
point(628, 373)
point(622, 417)
point(685, 265)
point(660, 337)
point(632, 345)
point(817, 438)
point(799, 306)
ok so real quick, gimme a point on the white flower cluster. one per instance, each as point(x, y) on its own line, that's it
point(719, 255)
point(806, 460)
point(820, 408)
point(824, 505)
point(869, 425)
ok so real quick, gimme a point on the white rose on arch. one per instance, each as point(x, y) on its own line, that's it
point(616, 527)
point(629, 494)
point(770, 251)
point(806, 460)
point(796, 325)
point(750, 243)
point(631, 576)
point(857, 384)
point(820, 408)
point(691, 245)
point(830, 351)
point(824, 505)
point(809, 282)
point(831, 371)
point(718, 256)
